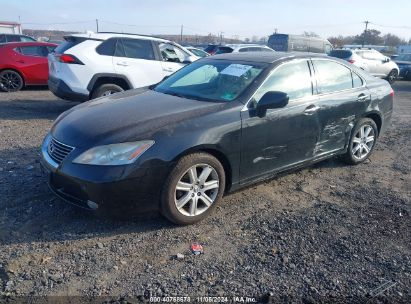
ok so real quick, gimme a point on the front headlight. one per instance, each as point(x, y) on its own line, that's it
point(114, 154)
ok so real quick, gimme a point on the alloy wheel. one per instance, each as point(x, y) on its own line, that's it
point(10, 81)
point(363, 142)
point(196, 190)
point(108, 92)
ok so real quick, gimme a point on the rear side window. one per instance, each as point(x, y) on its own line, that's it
point(2, 38)
point(254, 49)
point(342, 54)
point(13, 38)
point(38, 51)
point(356, 80)
point(68, 44)
point(135, 48)
point(107, 47)
point(293, 78)
point(26, 39)
point(332, 76)
point(224, 50)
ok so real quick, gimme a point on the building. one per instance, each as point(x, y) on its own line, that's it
point(404, 49)
point(10, 27)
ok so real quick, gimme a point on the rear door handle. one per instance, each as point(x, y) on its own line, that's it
point(122, 63)
point(168, 70)
point(362, 97)
point(311, 109)
point(20, 61)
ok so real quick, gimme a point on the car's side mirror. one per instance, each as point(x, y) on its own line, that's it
point(386, 59)
point(188, 60)
point(271, 100)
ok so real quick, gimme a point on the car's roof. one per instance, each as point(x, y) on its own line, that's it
point(266, 57)
point(107, 35)
point(28, 43)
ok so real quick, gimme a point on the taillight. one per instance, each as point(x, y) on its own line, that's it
point(66, 58)
point(392, 93)
point(351, 61)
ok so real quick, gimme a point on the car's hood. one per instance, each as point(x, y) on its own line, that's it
point(128, 116)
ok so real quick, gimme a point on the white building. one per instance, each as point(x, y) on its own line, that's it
point(10, 27)
point(404, 49)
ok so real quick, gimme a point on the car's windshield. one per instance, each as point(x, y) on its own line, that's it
point(211, 80)
point(404, 57)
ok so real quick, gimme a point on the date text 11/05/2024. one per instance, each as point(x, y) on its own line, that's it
point(203, 299)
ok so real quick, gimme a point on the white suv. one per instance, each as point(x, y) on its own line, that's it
point(371, 61)
point(91, 65)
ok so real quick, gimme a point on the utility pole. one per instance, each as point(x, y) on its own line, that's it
point(97, 25)
point(221, 37)
point(365, 32)
point(275, 31)
point(181, 34)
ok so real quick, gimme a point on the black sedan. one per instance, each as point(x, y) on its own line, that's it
point(219, 124)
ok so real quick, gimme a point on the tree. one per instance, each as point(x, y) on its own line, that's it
point(370, 37)
point(254, 38)
point(247, 40)
point(393, 40)
point(310, 34)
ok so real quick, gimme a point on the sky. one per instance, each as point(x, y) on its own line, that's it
point(242, 18)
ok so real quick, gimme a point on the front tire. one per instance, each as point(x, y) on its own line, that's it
point(193, 188)
point(392, 76)
point(362, 142)
point(11, 81)
point(106, 90)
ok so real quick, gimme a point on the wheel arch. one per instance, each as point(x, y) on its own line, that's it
point(221, 157)
point(104, 78)
point(376, 117)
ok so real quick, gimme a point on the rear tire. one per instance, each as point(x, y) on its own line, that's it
point(392, 76)
point(10, 81)
point(362, 142)
point(106, 90)
point(193, 189)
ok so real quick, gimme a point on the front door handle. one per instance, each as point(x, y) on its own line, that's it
point(122, 63)
point(311, 109)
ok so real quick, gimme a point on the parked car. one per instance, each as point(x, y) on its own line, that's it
point(371, 61)
point(92, 65)
point(241, 48)
point(293, 43)
point(5, 38)
point(404, 64)
point(197, 52)
point(215, 126)
point(211, 49)
point(23, 64)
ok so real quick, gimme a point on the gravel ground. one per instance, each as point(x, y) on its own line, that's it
point(328, 233)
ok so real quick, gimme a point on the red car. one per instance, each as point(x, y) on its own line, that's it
point(24, 63)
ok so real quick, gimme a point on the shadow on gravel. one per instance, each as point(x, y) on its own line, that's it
point(33, 109)
point(402, 86)
point(29, 212)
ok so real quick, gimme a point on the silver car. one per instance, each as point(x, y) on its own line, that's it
point(371, 61)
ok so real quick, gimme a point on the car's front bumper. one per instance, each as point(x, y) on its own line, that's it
point(113, 192)
point(62, 90)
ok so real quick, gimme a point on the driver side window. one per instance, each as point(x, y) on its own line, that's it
point(293, 78)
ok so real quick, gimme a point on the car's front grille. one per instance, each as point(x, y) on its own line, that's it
point(58, 151)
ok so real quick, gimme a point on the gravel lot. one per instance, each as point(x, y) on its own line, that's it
point(330, 232)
